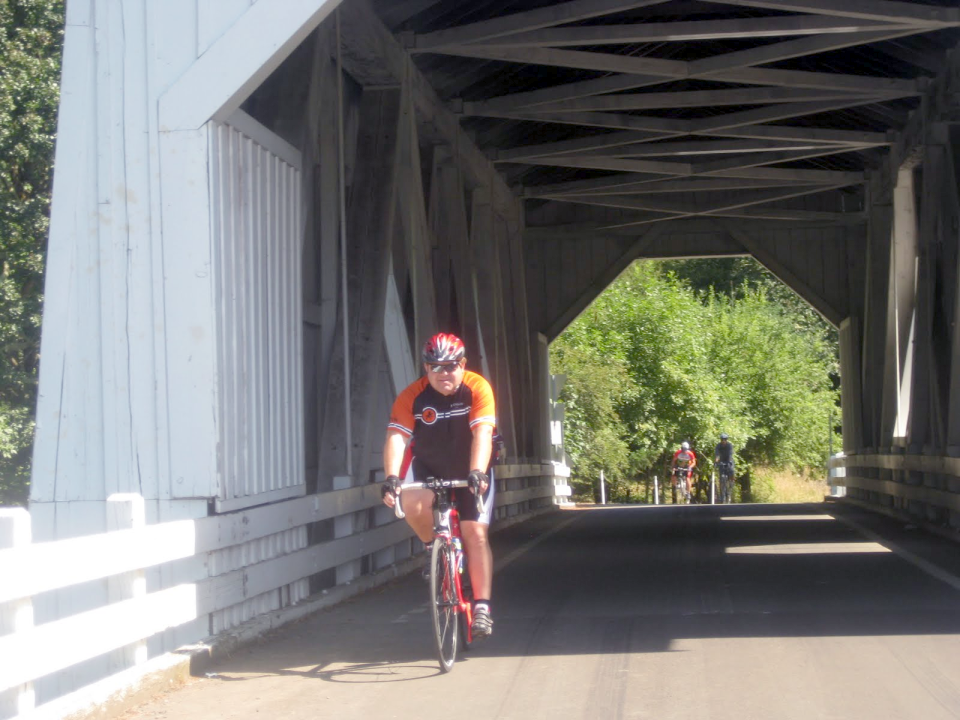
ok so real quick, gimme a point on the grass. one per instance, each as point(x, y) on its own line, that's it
point(783, 486)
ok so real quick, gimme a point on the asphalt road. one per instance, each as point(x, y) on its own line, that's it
point(750, 611)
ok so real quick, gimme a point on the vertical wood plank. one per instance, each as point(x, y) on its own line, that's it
point(16, 616)
point(126, 511)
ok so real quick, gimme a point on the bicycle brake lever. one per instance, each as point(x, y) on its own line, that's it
point(397, 510)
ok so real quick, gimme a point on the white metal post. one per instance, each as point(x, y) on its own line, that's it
point(713, 486)
point(603, 492)
point(17, 615)
point(656, 490)
point(126, 511)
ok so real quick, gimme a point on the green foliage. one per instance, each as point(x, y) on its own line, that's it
point(30, 48)
point(652, 363)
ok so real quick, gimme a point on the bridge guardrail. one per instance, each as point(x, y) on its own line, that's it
point(29, 652)
point(923, 492)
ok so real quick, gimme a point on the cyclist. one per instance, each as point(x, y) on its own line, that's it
point(723, 453)
point(684, 458)
point(442, 426)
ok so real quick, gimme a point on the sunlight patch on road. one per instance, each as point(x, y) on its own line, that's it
point(844, 548)
point(772, 518)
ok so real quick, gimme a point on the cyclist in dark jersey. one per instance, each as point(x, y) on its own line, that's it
point(723, 452)
point(442, 426)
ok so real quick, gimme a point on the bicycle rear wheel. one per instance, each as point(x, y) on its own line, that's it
point(443, 604)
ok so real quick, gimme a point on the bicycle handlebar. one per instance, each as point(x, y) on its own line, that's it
point(435, 484)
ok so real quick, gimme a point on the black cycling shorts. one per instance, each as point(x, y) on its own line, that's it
point(466, 502)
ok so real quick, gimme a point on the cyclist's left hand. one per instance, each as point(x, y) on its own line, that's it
point(478, 481)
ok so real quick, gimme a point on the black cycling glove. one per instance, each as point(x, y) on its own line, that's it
point(390, 486)
point(477, 478)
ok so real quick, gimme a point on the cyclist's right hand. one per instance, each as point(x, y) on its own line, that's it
point(389, 490)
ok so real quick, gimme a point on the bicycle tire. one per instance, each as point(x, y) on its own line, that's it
point(444, 607)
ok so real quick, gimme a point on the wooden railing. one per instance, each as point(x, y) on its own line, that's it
point(29, 651)
point(929, 489)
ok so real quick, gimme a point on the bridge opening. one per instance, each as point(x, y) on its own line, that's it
point(683, 350)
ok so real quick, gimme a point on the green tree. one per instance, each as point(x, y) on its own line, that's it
point(652, 363)
point(30, 51)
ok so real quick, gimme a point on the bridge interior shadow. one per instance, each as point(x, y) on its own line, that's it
point(638, 580)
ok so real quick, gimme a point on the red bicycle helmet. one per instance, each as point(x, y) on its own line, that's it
point(443, 348)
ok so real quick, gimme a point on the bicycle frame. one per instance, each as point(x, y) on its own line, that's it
point(680, 476)
point(725, 476)
point(446, 526)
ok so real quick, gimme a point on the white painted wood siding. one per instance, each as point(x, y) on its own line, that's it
point(257, 230)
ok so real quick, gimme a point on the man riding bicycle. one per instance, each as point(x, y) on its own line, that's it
point(723, 460)
point(442, 426)
point(684, 459)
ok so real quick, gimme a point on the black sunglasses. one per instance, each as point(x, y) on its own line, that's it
point(446, 367)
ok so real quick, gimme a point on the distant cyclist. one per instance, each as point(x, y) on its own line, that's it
point(723, 461)
point(685, 459)
point(442, 426)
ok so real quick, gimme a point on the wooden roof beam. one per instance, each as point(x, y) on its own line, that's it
point(727, 149)
point(612, 121)
point(683, 185)
point(882, 10)
point(595, 142)
point(718, 64)
point(556, 14)
point(694, 98)
point(690, 31)
point(676, 169)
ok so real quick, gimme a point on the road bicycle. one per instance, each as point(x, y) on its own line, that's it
point(451, 602)
point(725, 473)
point(681, 494)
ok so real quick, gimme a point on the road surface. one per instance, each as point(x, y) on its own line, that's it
point(737, 612)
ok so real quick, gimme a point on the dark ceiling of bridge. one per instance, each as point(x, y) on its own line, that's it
point(674, 108)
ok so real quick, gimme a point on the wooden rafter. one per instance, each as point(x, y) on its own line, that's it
point(882, 10)
point(525, 21)
point(772, 27)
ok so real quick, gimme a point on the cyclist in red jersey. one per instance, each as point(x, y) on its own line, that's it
point(684, 458)
point(442, 426)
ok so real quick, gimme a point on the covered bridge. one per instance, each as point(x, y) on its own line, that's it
point(262, 207)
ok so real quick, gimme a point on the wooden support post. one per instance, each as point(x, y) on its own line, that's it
point(900, 311)
point(321, 246)
point(370, 227)
point(875, 341)
point(126, 511)
point(850, 394)
point(927, 396)
point(442, 229)
point(418, 237)
point(17, 615)
point(448, 218)
point(949, 208)
point(489, 295)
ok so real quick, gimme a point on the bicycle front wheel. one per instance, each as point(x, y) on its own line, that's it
point(443, 604)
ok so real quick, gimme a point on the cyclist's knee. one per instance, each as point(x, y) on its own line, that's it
point(475, 535)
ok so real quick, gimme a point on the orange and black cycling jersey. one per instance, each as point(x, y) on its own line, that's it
point(442, 425)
